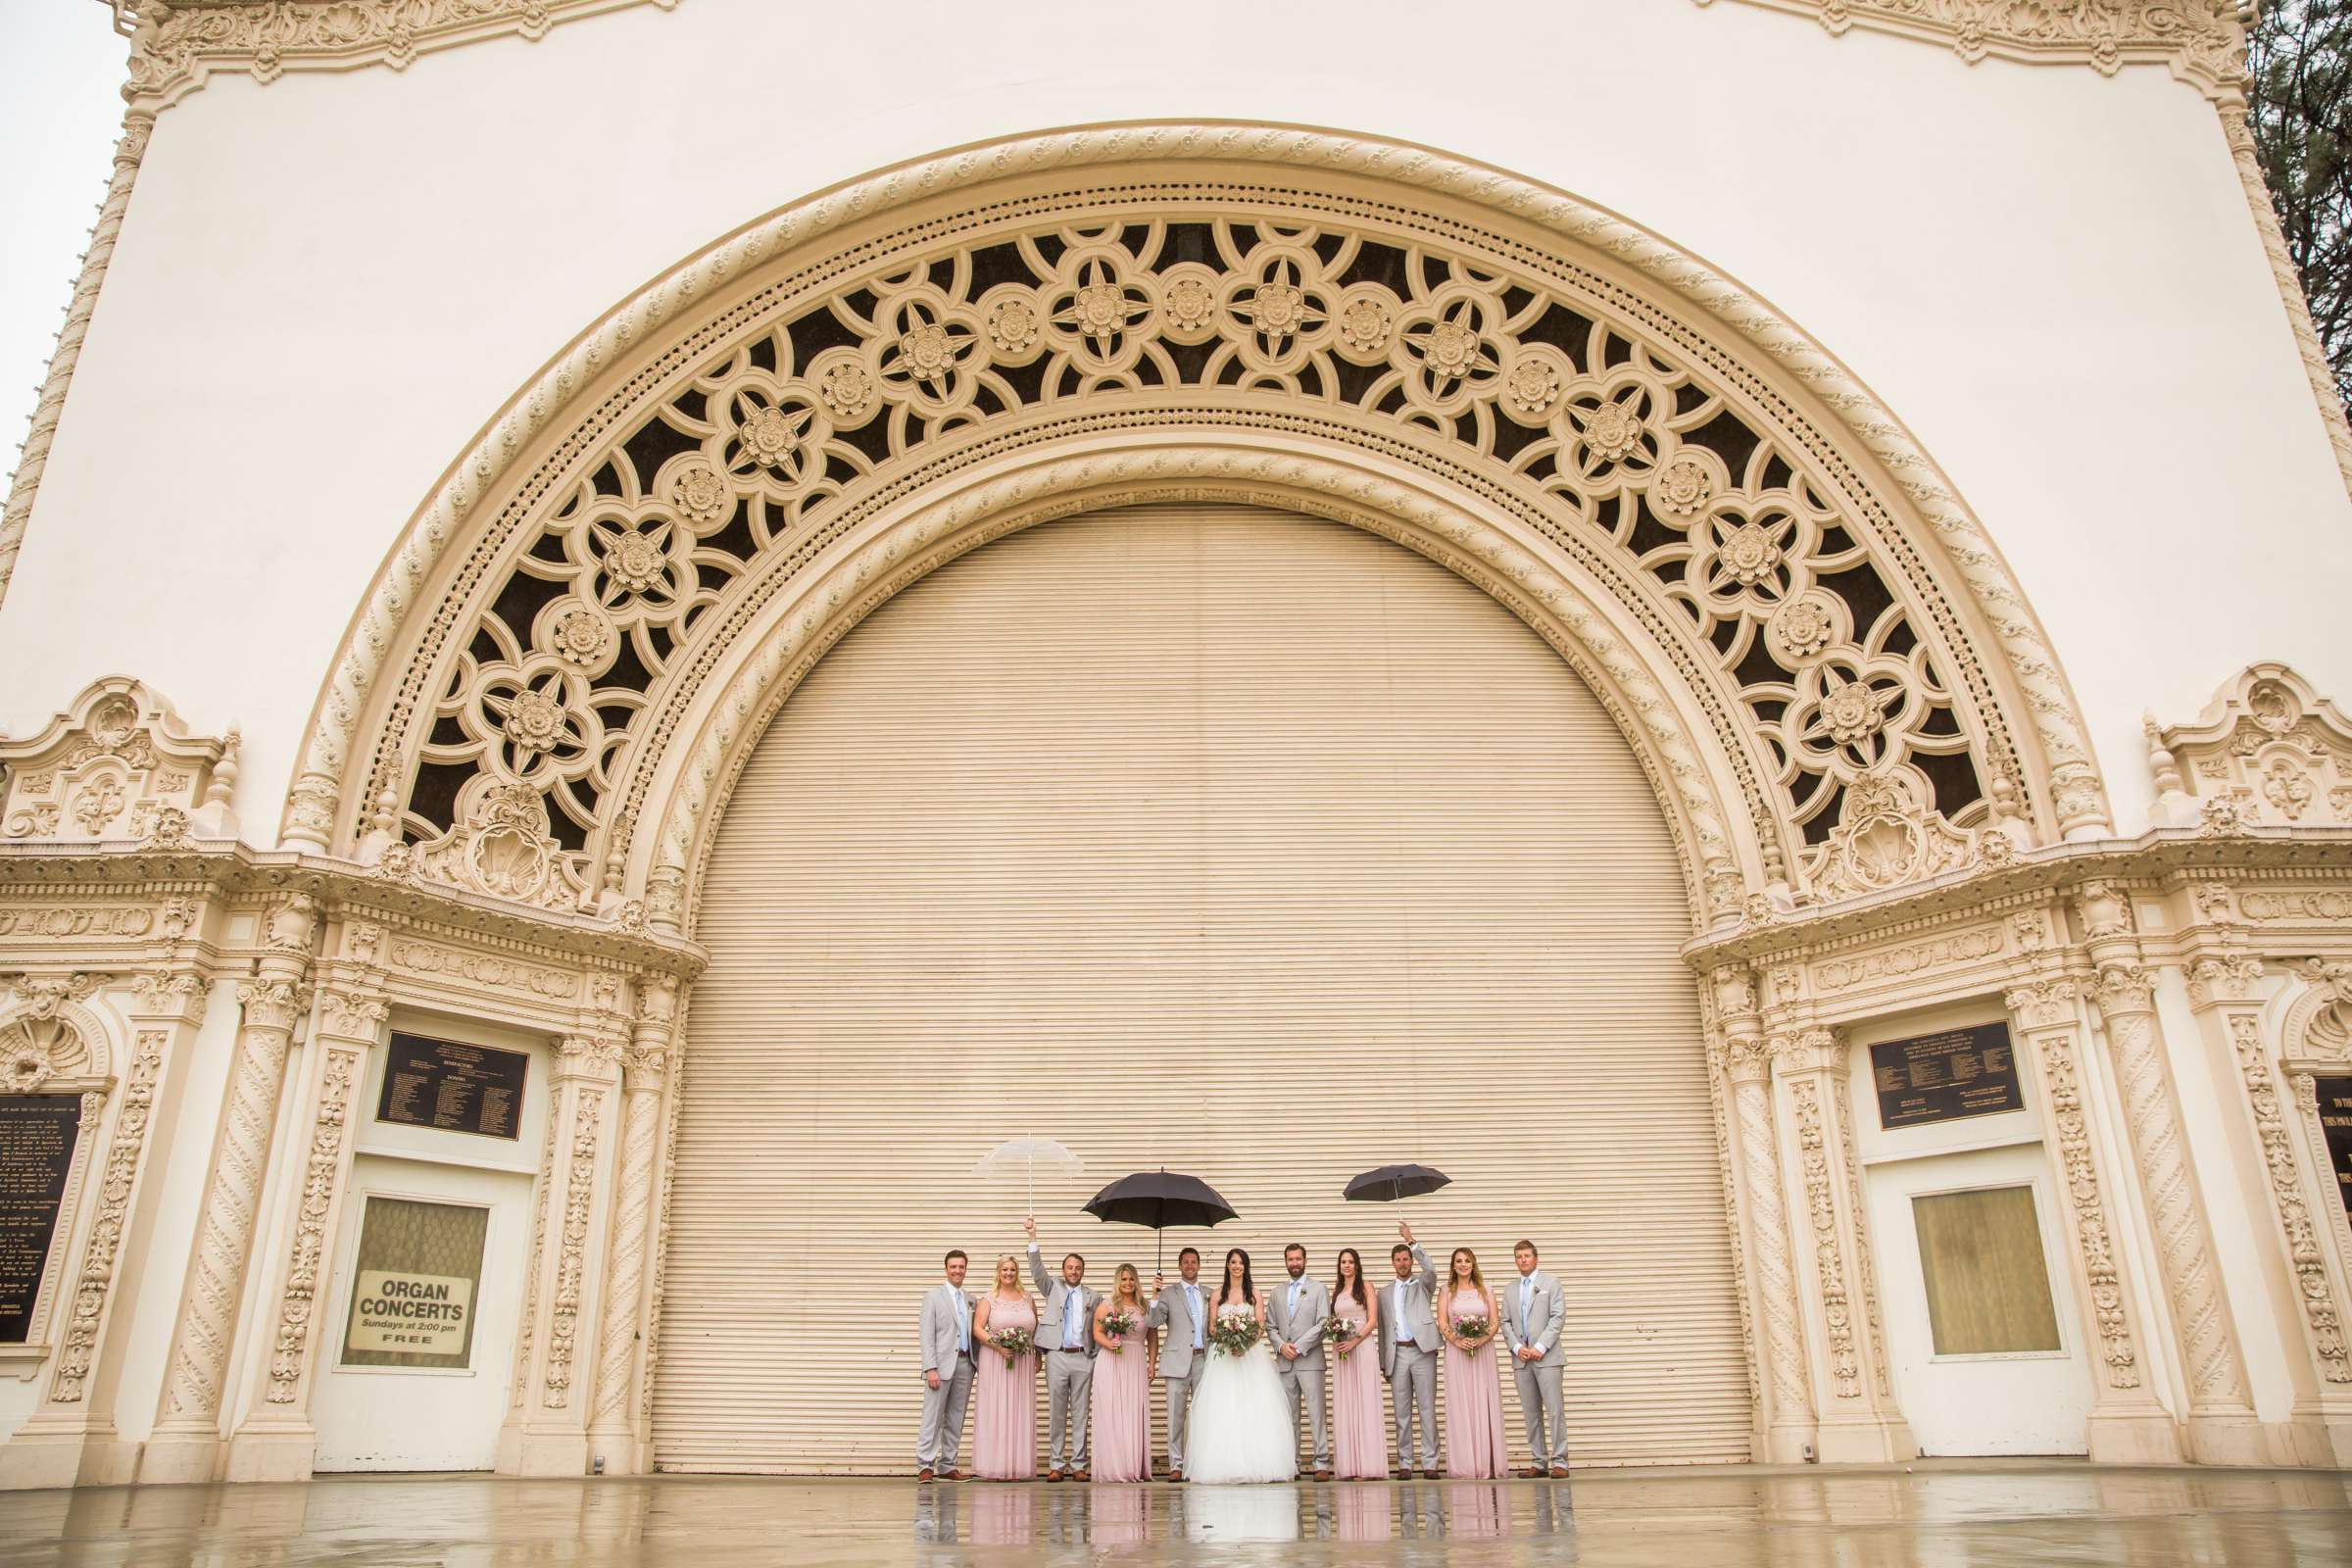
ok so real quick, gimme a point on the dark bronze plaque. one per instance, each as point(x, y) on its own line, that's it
point(456, 1088)
point(36, 1151)
point(2335, 1122)
point(1945, 1076)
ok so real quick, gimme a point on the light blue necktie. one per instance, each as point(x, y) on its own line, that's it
point(1192, 1293)
point(1525, 1284)
point(963, 1322)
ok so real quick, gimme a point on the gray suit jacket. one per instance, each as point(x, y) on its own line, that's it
point(1171, 1312)
point(1305, 1329)
point(1544, 1310)
point(1057, 1293)
point(1420, 1310)
point(940, 1327)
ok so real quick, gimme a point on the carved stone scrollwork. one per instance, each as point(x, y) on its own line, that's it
point(94, 1281)
point(1821, 1206)
point(175, 47)
point(502, 847)
point(2226, 977)
point(323, 1169)
point(2319, 1025)
point(1886, 837)
point(45, 1040)
point(571, 1264)
point(117, 765)
point(2269, 752)
point(2279, 1160)
point(2201, 40)
point(2062, 1082)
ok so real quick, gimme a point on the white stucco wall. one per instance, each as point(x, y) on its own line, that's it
point(326, 286)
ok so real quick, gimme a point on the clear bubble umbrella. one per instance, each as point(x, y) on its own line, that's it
point(1022, 1157)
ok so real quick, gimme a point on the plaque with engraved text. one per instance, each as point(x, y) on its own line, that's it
point(454, 1086)
point(36, 1152)
point(2336, 1124)
point(1945, 1076)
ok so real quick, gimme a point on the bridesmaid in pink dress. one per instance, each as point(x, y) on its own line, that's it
point(1359, 1440)
point(1123, 1369)
point(1473, 1389)
point(1004, 1446)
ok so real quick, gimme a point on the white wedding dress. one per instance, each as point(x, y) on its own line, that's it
point(1241, 1423)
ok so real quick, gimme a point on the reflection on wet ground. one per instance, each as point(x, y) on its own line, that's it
point(1946, 1514)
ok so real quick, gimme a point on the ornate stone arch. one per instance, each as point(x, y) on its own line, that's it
point(1826, 669)
point(53, 1046)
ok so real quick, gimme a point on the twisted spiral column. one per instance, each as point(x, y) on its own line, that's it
point(187, 1428)
point(612, 1428)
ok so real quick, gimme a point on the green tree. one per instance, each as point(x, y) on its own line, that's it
point(2299, 109)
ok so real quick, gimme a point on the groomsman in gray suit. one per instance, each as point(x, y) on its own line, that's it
point(1184, 1354)
point(1532, 1311)
point(1295, 1314)
point(1409, 1350)
point(1066, 1334)
point(947, 1372)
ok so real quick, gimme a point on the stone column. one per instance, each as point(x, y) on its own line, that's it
point(186, 1442)
point(1788, 1417)
point(547, 1428)
point(613, 1436)
point(2222, 1426)
point(2128, 1424)
point(1860, 1419)
point(276, 1440)
point(70, 1439)
point(2227, 998)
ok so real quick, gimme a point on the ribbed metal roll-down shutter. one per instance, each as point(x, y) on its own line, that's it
point(1212, 838)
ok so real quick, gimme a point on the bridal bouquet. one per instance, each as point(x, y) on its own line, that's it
point(1015, 1342)
point(1118, 1325)
point(1334, 1331)
point(1472, 1329)
point(1234, 1335)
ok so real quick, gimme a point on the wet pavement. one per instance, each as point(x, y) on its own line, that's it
point(1941, 1514)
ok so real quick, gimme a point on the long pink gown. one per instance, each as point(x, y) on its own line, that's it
point(1122, 1410)
point(1360, 1439)
point(1004, 1444)
point(1473, 1392)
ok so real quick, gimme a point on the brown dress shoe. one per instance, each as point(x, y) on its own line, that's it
point(1322, 1475)
point(1176, 1475)
point(1080, 1475)
point(1406, 1474)
point(955, 1475)
point(1052, 1475)
point(1559, 1472)
point(1430, 1474)
point(923, 1475)
point(1531, 1472)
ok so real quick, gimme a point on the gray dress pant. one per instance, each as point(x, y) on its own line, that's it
point(1303, 1381)
point(1069, 1391)
point(941, 1438)
point(1540, 1401)
point(1414, 1386)
point(1179, 1406)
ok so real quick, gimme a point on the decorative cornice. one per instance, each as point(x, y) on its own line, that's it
point(175, 48)
point(2034, 873)
point(69, 898)
point(2200, 41)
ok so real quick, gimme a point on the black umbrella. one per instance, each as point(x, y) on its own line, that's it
point(1391, 1182)
point(1160, 1199)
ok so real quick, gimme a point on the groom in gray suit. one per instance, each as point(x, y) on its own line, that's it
point(947, 1372)
point(1184, 1313)
point(1295, 1314)
point(1065, 1335)
point(1409, 1350)
point(1532, 1311)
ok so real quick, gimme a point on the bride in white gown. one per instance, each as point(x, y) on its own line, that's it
point(1241, 1422)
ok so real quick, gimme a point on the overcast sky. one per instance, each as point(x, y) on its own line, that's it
point(61, 71)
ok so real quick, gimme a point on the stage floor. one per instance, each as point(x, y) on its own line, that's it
point(1940, 1514)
